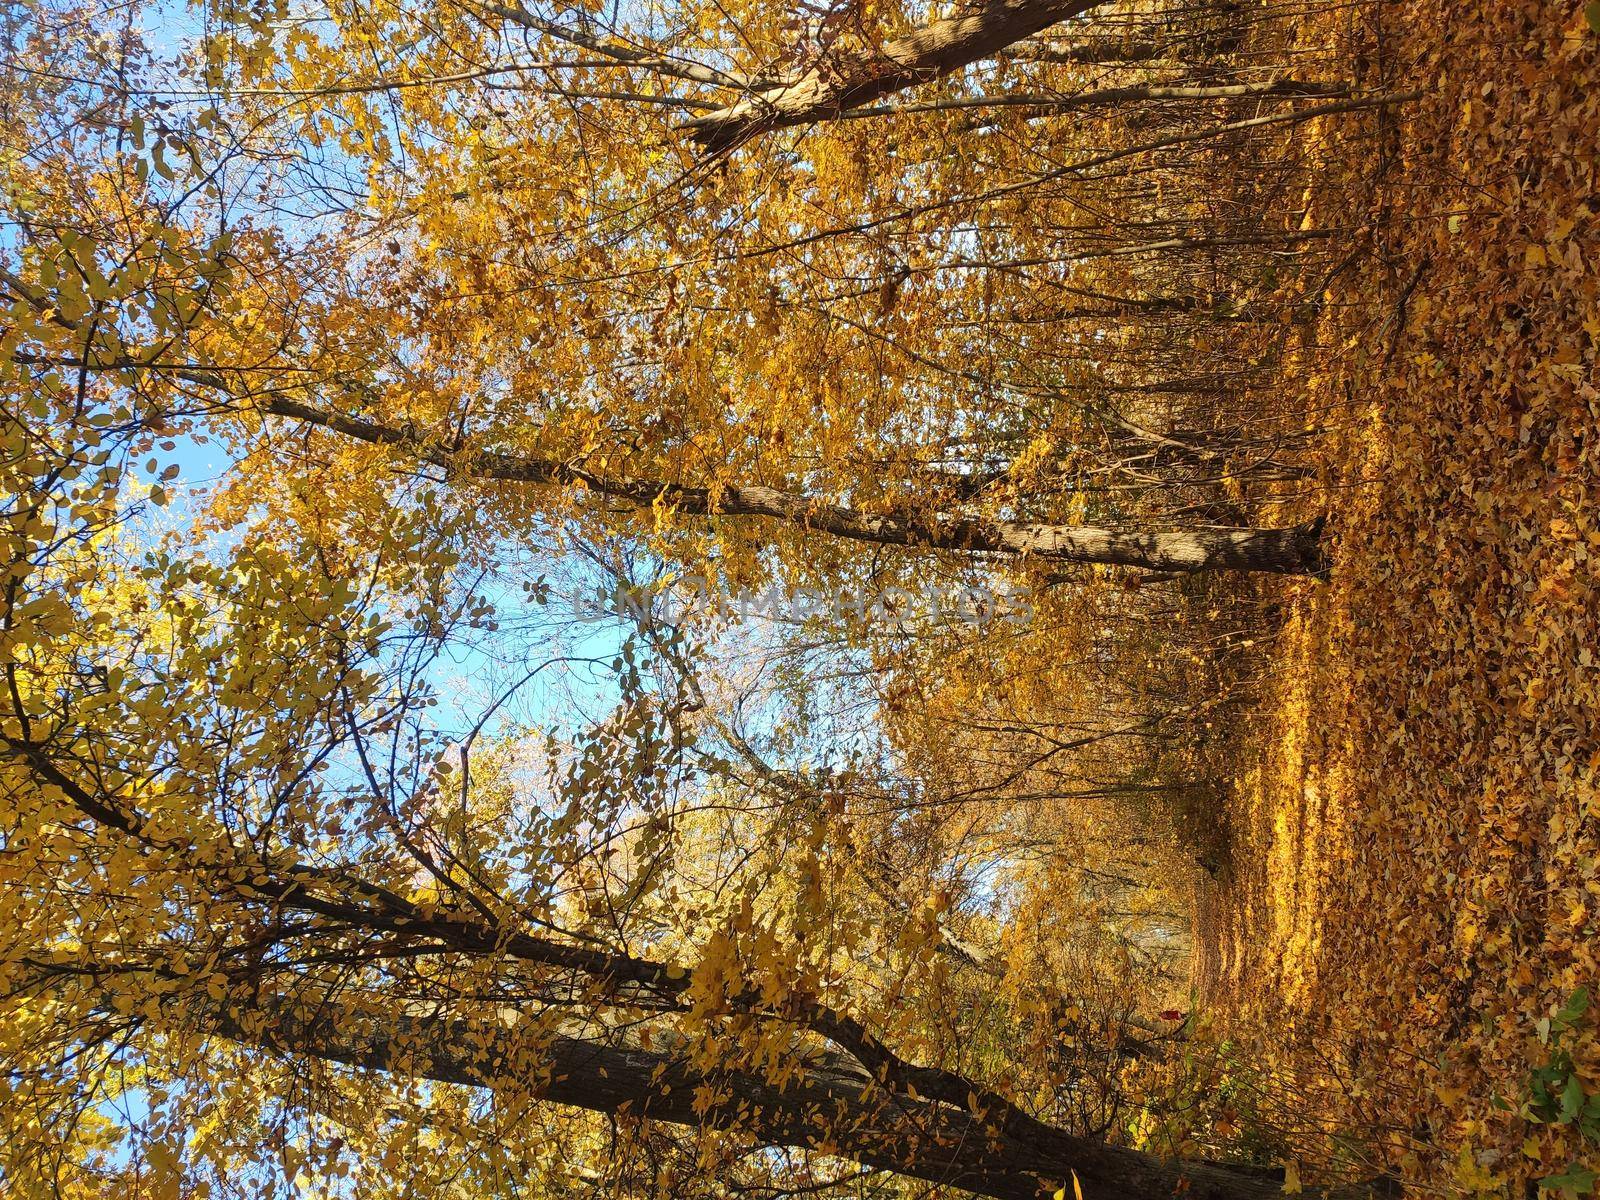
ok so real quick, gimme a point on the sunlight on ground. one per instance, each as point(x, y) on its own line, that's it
point(1415, 821)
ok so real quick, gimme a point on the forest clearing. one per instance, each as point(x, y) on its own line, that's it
point(724, 600)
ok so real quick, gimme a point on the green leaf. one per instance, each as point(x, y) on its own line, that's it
point(1571, 1099)
point(1578, 1003)
point(1591, 14)
point(1578, 1180)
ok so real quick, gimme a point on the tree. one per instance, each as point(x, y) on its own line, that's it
point(294, 954)
point(348, 918)
point(288, 888)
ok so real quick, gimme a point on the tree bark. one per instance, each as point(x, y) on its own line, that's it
point(830, 1113)
point(1291, 550)
point(846, 81)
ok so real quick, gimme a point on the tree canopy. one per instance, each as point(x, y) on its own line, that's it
point(644, 597)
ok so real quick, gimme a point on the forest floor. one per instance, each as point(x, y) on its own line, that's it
point(1416, 818)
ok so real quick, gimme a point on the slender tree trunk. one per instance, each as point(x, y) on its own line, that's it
point(1295, 550)
point(1292, 550)
point(1100, 50)
point(845, 81)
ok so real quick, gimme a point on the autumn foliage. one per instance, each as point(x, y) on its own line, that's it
point(728, 600)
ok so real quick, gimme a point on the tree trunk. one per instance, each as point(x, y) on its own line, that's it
point(826, 1112)
point(845, 81)
point(1098, 50)
point(1292, 550)
point(922, 1122)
